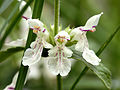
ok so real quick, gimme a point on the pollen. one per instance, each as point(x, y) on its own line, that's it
point(35, 31)
point(93, 30)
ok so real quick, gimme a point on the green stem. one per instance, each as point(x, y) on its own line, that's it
point(31, 37)
point(56, 26)
point(98, 53)
point(59, 82)
point(79, 77)
point(56, 16)
point(13, 23)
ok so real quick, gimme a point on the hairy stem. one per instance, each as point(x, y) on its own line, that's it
point(56, 16)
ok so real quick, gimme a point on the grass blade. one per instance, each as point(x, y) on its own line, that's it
point(5, 54)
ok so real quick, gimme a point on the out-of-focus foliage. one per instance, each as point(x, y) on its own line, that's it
point(73, 13)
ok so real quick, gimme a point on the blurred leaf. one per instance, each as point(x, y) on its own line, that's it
point(5, 5)
point(107, 41)
point(5, 54)
point(13, 23)
point(10, 17)
point(101, 71)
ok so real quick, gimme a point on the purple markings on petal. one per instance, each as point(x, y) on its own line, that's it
point(11, 88)
point(25, 17)
point(93, 26)
point(32, 28)
point(44, 30)
point(68, 39)
point(83, 30)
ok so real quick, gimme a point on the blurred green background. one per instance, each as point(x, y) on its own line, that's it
point(73, 13)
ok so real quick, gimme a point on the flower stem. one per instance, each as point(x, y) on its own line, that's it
point(79, 77)
point(31, 37)
point(59, 82)
point(56, 16)
point(56, 26)
point(98, 53)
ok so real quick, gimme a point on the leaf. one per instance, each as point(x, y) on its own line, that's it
point(5, 54)
point(101, 71)
point(105, 44)
point(10, 17)
point(5, 5)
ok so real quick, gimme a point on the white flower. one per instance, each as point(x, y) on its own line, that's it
point(79, 33)
point(23, 28)
point(28, 12)
point(82, 45)
point(12, 85)
point(33, 54)
point(16, 43)
point(58, 62)
point(90, 57)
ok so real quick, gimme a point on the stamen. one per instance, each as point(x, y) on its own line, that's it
point(93, 30)
point(44, 30)
point(93, 26)
point(11, 88)
point(25, 17)
point(83, 30)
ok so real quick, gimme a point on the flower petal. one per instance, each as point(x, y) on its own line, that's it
point(92, 22)
point(53, 51)
point(53, 65)
point(32, 55)
point(67, 52)
point(12, 85)
point(90, 57)
point(82, 43)
point(35, 23)
point(28, 12)
point(16, 43)
point(65, 67)
point(46, 44)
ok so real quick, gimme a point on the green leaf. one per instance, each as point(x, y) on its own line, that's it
point(10, 17)
point(107, 41)
point(5, 54)
point(101, 71)
point(5, 5)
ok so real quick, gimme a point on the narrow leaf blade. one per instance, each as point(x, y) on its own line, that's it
point(5, 54)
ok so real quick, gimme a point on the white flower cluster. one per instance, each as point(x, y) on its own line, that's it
point(59, 54)
point(58, 60)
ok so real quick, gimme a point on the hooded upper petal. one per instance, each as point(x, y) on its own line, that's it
point(92, 22)
point(35, 23)
point(90, 57)
point(62, 38)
